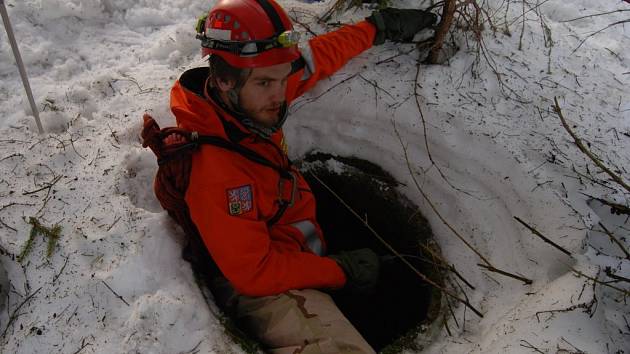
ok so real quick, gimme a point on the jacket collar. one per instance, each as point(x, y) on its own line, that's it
point(236, 124)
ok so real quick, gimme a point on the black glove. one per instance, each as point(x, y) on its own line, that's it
point(399, 25)
point(361, 268)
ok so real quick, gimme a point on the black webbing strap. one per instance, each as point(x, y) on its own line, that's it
point(274, 219)
point(243, 151)
point(273, 15)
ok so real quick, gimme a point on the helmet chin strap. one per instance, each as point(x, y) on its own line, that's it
point(241, 115)
point(233, 97)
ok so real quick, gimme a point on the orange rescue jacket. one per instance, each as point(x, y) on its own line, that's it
point(232, 199)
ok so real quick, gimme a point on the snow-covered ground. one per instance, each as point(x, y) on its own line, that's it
point(116, 282)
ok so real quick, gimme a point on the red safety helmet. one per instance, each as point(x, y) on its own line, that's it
point(248, 33)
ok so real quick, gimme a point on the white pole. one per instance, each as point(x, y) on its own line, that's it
point(20, 64)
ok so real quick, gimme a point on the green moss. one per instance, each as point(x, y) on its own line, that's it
point(52, 233)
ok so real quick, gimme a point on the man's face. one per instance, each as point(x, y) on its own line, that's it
point(263, 95)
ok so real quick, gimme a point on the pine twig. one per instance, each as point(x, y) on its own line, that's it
point(585, 150)
point(537, 233)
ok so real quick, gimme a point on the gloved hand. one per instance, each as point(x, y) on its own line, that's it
point(361, 268)
point(399, 25)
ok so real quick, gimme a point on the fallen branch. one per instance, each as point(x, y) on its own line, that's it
point(577, 350)
point(75, 149)
point(445, 265)
point(14, 314)
point(623, 291)
point(376, 86)
point(530, 346)
point(537, 233)
point(610, 274)
point(426, 136)
point(595, 15)
point(535, 8)
point(8, 205)
point(446, 223)
point(615, 240)
point(599, 31)
point(115, 293)
point(502, 272)
point(294, 18)
point(586, 306)
point(46, 187)
point(12, 155)
point(61, 270)
point(83, 346)
point(445, 323)
point(585, 150)
point(313, 99)
point(614, 207)
point(394, 56)
point(393, 251)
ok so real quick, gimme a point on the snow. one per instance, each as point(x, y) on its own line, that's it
point(96, 66)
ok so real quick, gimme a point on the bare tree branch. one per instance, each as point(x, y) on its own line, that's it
point(585, 150)
point(615, 240)
point(537, 233)
point(489, 265)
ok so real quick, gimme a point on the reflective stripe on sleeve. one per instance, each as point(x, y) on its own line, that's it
point(309, 232)
point(307, 55)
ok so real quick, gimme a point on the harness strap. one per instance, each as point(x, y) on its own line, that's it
point(196, 140)
point(247, 153)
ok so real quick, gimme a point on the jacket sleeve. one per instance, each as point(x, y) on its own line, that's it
point(241, 245)
point(327, 53)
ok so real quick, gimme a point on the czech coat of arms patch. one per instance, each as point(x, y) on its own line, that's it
point(240, 200)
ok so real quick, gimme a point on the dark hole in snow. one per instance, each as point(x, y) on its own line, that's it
point(402, 305)
point(400, 313)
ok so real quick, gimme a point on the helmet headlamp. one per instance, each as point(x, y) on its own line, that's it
point(285, 39)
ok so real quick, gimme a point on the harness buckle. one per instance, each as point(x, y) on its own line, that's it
point(294, 188)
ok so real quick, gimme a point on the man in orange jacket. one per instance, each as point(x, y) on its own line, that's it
point(252, 208)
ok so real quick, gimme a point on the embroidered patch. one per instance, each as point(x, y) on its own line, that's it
point(240, 200)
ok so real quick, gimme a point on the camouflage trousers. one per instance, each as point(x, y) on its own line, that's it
point(298, 321)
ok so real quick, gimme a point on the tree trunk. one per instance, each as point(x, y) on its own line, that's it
point(448, 12)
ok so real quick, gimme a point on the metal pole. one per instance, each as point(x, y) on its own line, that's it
point(20, 64)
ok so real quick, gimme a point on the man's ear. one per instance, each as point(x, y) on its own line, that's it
point(225, 85)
